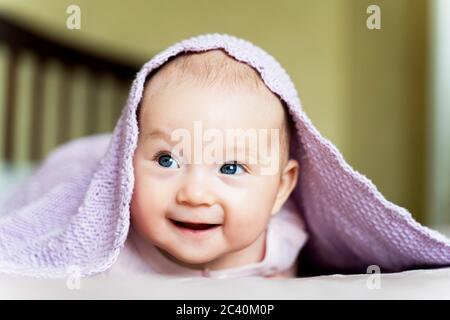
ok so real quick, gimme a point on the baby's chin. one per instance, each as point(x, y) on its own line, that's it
point(195, 259)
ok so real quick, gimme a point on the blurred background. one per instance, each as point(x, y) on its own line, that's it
point(382, 96)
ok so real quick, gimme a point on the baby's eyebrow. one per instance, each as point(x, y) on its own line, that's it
point(158, 133)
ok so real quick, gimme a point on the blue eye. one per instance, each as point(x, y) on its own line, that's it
point(166, 161)
point(232, 168)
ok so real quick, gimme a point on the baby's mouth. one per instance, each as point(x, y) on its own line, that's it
point(194, 226)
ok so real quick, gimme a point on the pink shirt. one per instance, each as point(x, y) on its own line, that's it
point(285, 237)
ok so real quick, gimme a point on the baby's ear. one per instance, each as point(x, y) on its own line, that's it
point(288, 181)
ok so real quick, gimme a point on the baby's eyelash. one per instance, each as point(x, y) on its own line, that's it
point(160, 153)
point(244, 167)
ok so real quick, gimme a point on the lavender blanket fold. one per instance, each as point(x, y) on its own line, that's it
point(74, 210)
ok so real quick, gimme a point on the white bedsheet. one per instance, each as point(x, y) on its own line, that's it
point(416, 284)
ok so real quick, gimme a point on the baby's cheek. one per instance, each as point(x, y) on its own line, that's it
point(148, 221)
point(147, 206)
point(150, 193)
point(242, 229)
point(248, 217)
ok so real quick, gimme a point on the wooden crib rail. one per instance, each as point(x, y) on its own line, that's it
point(19, 40)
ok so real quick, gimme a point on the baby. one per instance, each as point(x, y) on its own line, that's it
point(199, 178)
point(205, 218)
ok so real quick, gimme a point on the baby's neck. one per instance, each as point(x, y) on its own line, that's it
point(252, 254)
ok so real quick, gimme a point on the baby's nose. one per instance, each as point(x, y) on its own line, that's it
point(195, 190)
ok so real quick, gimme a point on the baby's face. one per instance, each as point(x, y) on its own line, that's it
point(203, 213)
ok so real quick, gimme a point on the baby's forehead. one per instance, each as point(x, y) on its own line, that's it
point(215, 106)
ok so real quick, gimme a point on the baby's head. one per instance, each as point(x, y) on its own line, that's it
point(210, 210)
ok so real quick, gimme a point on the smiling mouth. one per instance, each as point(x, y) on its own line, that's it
point(194, 226)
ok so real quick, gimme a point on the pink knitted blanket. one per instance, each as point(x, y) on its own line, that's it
point(75, 208)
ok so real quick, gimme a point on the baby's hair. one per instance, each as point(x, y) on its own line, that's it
point(214, 67)
point(209, 68)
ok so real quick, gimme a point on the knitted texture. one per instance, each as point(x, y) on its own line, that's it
point(74, 210)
